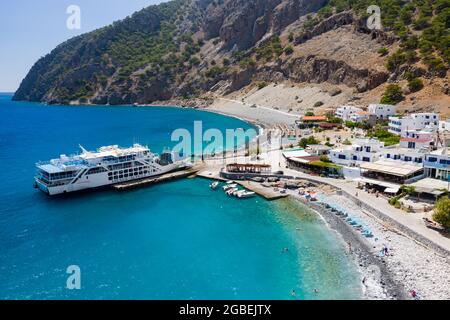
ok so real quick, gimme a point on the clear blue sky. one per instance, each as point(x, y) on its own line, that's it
point(29, 29)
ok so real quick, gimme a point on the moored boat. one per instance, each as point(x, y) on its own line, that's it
point(214, 185)
point(229, 186)
point(243, 194)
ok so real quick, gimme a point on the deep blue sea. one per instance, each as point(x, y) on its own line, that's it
point(177, 240)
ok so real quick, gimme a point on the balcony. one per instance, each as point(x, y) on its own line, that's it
point(436, 165)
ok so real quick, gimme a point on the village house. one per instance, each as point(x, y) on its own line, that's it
point(364, 117)
point(311, 121)
point(423, 139)
point(444, 126)
point(345, 112)
point(404, 155)
point(414, 122)
point(362, 150)
point(437, 165)
point(382, 111)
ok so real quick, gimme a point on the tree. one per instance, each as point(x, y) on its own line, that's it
point(308, 141)
point(415, 85)
point(392, 95)
point(442, 212)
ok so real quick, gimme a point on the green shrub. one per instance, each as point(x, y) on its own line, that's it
point(383, 51)
point(289, 50)
point(308, 141)
point(442, 212)
point(347, 142)
point(262, 85)
point(415, 85)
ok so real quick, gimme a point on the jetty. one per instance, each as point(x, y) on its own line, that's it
point(171, 176)
point(268, 193)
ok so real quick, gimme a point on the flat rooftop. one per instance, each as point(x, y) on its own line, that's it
point(431, 184)
point(392, 168)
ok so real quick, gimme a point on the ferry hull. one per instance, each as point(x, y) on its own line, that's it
point(97, 182)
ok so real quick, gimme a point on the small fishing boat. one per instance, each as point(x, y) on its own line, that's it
point(231, 191)
point(230, 182)
point(245, 194)
point(214, 185)
point(229, 186)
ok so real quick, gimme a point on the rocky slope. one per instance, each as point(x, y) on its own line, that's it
point(203, 48)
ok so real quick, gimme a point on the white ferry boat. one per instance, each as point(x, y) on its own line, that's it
point(107, 166)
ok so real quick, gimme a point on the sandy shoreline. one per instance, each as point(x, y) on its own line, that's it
point(377, 282)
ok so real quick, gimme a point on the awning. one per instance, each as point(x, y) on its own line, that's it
point(392, 190)
point(295, 154)
point(385, 184)
point(392, 168)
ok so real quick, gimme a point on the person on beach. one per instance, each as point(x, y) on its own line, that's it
point(415, 295)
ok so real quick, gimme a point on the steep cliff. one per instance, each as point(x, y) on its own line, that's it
point(188, 48)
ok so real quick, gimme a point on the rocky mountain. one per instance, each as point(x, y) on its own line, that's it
point(201, 48)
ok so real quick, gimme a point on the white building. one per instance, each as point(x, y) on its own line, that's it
point(363, 116)
point(444, 126)
point(414, 122)
point(345, 112)
point(404, 155)
point(437, 165)
point(382, 111)
point(423, 139)
point(362, 150)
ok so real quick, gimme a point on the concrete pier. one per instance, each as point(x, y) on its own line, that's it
point(158, 179)
point(267, 193)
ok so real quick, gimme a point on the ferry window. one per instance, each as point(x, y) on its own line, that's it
point(126, 176)
point(121, 177)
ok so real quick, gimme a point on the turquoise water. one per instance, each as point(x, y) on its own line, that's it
point(172, 241)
